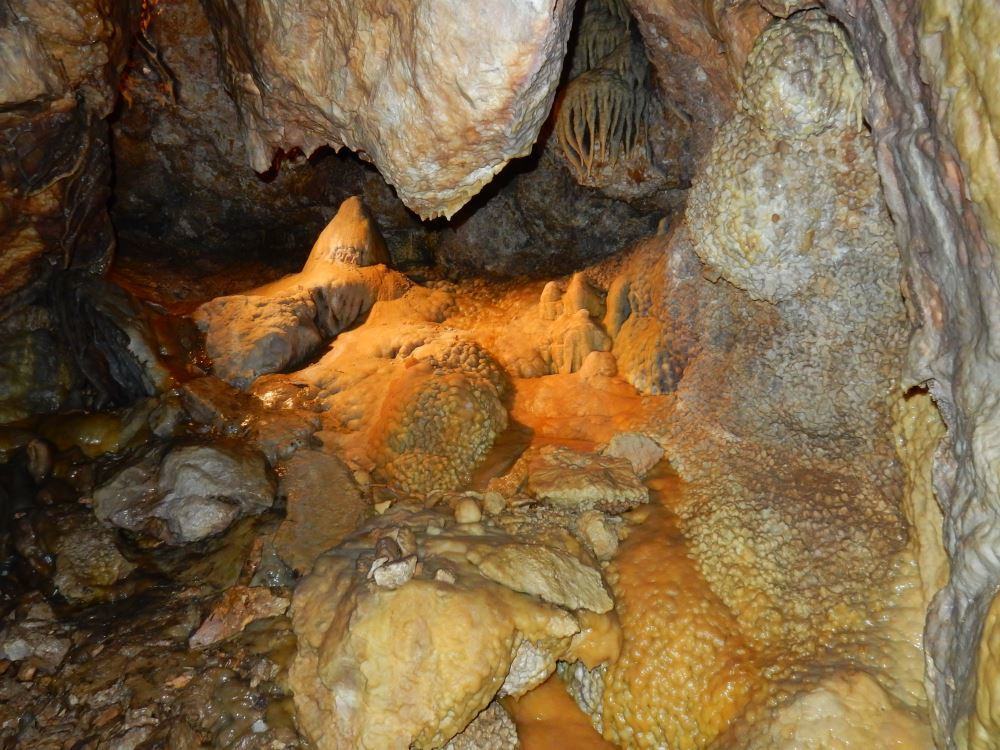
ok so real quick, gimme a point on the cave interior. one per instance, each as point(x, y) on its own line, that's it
point(495, 374)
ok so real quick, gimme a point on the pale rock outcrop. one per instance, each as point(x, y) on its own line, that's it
point(812, 370)
point(938, 159)
point(800, 93)
point(557, 335)
point(784, 357)
point(369, 672)
point(438, 95)
point(277, 326)
point(187, 493)
point(639, 450)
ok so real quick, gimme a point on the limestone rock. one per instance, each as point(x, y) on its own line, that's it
point(600, 537)
point(351, 237)
point(704, 42)
point(417, 404)
point(189, 493)
point(499, 640)
point(639, 450)
point(250, 335)
point(88, 563)
point(205, 488)
point(300, 79)
point(33, 639)
point(552, 576)
point(849, 710)
point(278, 325)
point(493, 729)
point(61, 64)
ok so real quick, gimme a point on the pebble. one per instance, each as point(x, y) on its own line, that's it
point(444, 575)
point(467, 511)
point(392, 575)
point(494, 503)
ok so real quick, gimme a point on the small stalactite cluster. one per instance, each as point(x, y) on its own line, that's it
point(601, 117)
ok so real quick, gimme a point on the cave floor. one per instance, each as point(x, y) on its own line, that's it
point(193, 645)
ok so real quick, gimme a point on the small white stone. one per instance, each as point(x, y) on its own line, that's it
point(259, 726)
point(378, 563)
point(597, 533)
point(382, 507)
point(395, 574)
point(445, 576)
point(467, 511)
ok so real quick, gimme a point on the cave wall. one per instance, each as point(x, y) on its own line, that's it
point(429, 91)
point(183, 179)
point(59, 68)
point(936, 155)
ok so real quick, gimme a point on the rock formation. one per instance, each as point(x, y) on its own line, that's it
point(414, 625)
point(438, 96)
point(473, 465)
point(60, 64)
point(277, 326)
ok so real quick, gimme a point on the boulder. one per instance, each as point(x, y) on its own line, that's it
point(188, 493)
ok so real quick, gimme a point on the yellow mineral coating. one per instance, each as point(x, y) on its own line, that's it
point(959, 49)
point(846, 710)
point(684, 671)
point(981, 731)
point(918, 428)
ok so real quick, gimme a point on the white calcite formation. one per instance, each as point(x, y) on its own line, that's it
point(438, 94)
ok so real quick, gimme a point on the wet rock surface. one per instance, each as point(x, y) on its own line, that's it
point(187, 493)
point(129, 680)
